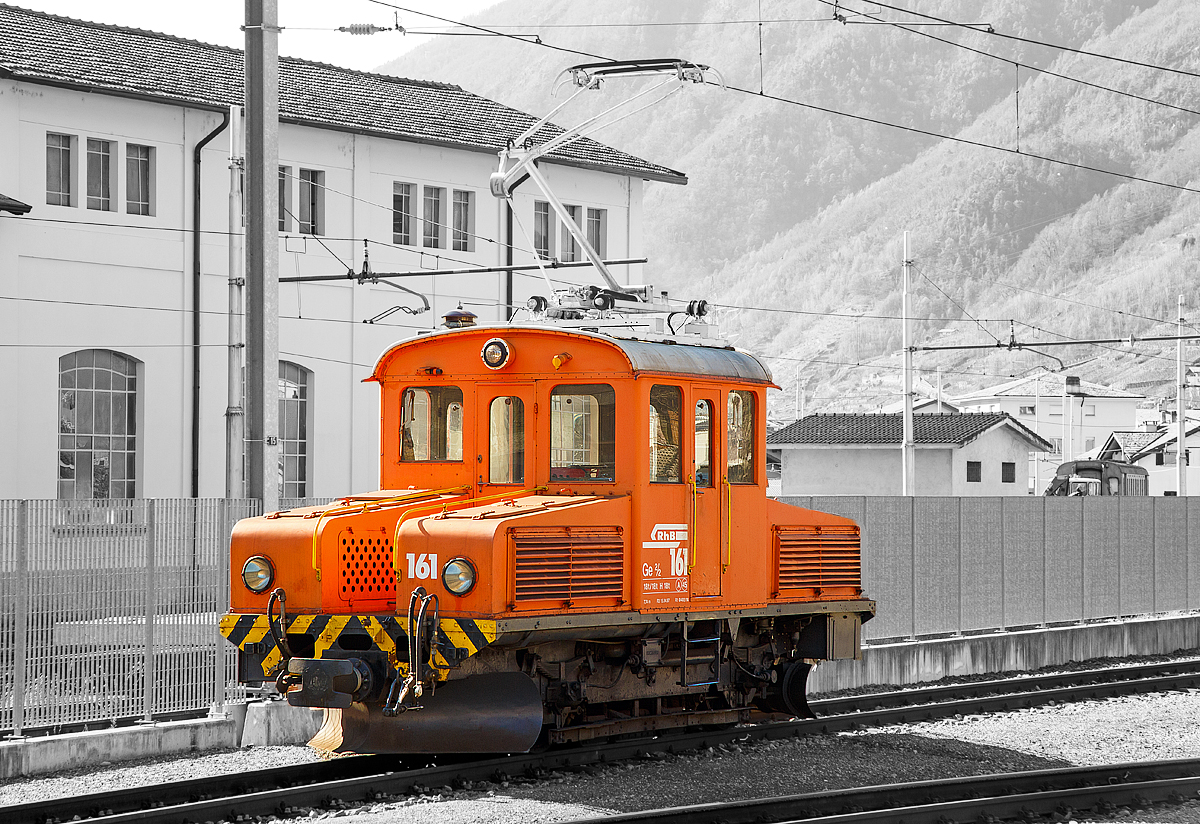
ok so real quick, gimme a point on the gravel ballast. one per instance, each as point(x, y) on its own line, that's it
point(1087, 733)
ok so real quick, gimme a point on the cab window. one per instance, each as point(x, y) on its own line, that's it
point(431, 424)
point(666, 439)
point(583, 424)
point(506, 441)
point(740, 451)
point(704, 418)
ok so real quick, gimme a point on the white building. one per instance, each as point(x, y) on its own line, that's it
point(115, 138)
point(1039, 401)
point(967, 454)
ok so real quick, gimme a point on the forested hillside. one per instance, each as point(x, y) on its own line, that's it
point(793, 208)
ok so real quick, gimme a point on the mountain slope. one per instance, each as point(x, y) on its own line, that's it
point(793, 207)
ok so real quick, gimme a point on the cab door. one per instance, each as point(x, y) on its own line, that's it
point(705, 481)
point(505, 442)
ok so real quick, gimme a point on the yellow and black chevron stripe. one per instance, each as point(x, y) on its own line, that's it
point(458, 638)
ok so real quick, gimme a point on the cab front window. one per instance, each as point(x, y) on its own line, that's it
point(583, 425)
point(431, 424)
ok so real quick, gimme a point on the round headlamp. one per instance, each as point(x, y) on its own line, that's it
point(458, 576)
point(258, 573)
point(496, 353)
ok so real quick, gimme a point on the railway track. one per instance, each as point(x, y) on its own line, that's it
point(362, 779)
point(1064, 793)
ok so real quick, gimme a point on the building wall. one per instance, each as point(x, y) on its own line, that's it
point(89, 279)
point(876, 470)
point(1165, 479)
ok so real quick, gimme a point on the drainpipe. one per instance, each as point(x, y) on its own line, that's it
point(508, 259)
point(196, 301)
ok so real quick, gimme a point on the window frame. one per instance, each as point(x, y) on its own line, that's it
point(99, 192)
point(1008, 472)
point(597, 230)
point(974, 472)
point(311, 216)
point(433, 216)
point(602, 428)
point(133, 178)
point(116, 377)
point(708, 447)
point(402, 213)
point(543, 230)
point(738, 434)
point(65, 155)
point(512, 458)
point(462, 224)
point(285, 198)
point(571, 250)
point(447, 446)
point(667, 394)
point(299, 481)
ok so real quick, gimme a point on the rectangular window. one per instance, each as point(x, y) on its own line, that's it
point(1026, 410)
point(58, 169)
point(99, 174)
point(583, 433)
point(464, 221)
point(597, 230)
point(293, 430)
point(1055, 409)
point(402, 213)
point(432, 236)
point(570, 246)
point(1089, 444)
point(431, 424)
point(1057, 444)
point(703, 455)
point(139, 179)
point(506, 441)
point(666, 435)
point(740, 449)
point(541, 230)
point(285, 197)
point(1089, 410)
point(1008, 472)
point(974, 472)
point(312, 202)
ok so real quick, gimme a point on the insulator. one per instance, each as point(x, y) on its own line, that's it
point(362, 28)
point(698, 308)
point(537, 303)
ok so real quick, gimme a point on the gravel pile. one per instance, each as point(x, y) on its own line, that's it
point(1094, 732)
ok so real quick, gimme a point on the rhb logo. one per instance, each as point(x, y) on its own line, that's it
point(676, 533)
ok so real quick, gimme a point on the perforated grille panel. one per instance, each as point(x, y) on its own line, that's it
point(570, 564)
point(366, 563)
point(825, 559)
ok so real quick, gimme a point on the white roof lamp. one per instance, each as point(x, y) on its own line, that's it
point(518, 163)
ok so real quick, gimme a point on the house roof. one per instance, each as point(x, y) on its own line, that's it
point(45, 48)
point(951, 428)
point(9, 204)
point(1161, 441)
point(1133, 440)
point(1047, 385)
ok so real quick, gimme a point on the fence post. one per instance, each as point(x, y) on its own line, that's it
point(21, 625)
point(221, 532)
point(151, 597)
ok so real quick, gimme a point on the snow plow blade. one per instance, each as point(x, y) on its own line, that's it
point(494, 713)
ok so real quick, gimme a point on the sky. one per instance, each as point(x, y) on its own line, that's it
point(309, 26)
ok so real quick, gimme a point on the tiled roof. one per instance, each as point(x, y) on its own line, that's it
point(1162, 440)
point(8, 204)
point(957, 429)
point(1047, 385)
point(44, 48)
point(1132, 441)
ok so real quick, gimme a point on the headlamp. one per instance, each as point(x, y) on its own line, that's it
point(258, 573)
point(496, 353)
point(458, 576)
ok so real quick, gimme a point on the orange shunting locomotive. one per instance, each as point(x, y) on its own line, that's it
point(572, 539)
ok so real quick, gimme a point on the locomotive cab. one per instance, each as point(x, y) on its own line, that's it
point(571, 538)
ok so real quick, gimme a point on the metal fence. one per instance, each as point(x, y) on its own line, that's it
point(949, 566)
point(108, 609)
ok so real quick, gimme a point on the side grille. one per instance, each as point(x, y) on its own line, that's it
point(819, 558)
point(571, 563)
point(366, 565)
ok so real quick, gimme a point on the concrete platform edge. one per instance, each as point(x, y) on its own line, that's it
point(916, 662)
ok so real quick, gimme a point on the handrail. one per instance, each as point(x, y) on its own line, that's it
point(692, 526)
point(445, 507)
point(728, 522)
point(369, 505)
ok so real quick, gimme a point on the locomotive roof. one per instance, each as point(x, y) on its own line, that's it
point(664, 356)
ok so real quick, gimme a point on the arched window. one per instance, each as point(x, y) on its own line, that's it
point(294, 448)
point(97, 425)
